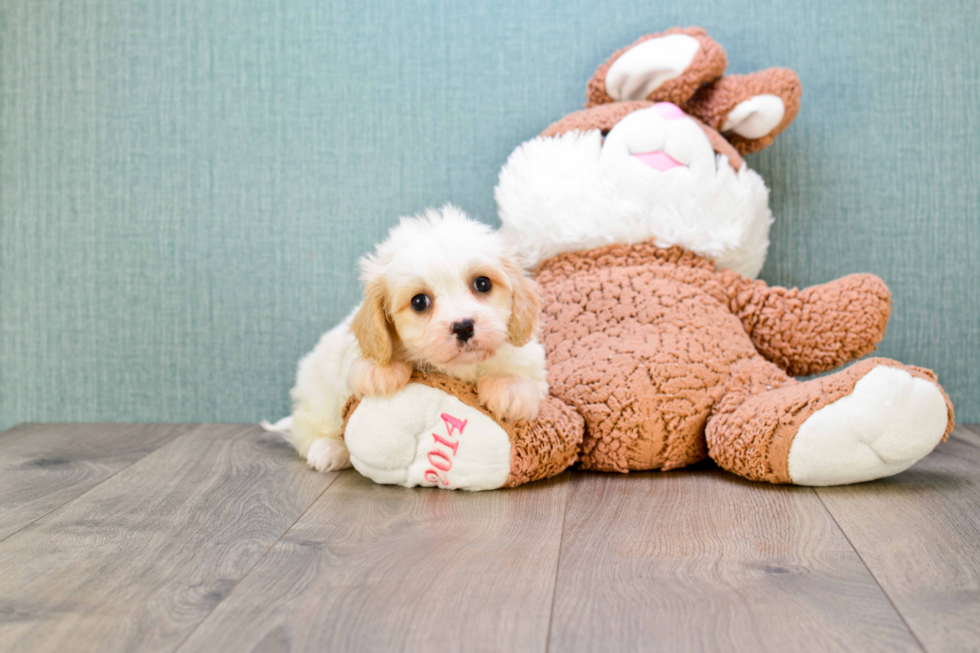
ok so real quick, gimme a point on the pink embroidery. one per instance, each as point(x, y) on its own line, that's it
point(435, 476)
point(449, 443)
point(445, 464)
point(440, 460)
point(453, 423)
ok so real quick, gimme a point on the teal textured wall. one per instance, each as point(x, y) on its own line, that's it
point(185, 185)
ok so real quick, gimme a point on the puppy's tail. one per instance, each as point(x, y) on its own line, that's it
point(284, 426)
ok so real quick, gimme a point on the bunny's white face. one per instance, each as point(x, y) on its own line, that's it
point(653, 153)
point(662, 138)
point(654, 176)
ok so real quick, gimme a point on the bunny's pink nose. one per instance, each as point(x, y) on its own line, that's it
point(668, 110)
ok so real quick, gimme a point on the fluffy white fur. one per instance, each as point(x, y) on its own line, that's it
point(580, 191)
point(372, 352)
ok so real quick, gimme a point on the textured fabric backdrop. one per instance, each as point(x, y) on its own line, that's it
point(187, 184)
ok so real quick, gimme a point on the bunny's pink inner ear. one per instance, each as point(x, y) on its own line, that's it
point(664, 67)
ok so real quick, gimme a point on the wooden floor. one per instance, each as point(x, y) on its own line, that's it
point(217, 538)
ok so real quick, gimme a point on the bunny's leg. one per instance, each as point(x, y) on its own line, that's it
point(873, 419)
point(434, 433)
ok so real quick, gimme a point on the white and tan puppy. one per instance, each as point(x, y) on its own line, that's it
point(443, 293)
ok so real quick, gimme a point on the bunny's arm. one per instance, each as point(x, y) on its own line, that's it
point(815, 329)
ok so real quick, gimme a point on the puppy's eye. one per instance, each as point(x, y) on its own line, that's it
point(420, 302)
point(482, 284)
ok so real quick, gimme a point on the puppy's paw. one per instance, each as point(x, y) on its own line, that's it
point(510, 397)
point(367, 378)
point(328, 455)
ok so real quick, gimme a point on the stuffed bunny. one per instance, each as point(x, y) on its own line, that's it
point(646, 229)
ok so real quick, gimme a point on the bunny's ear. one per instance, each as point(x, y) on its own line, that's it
point(664, 67)
point(749, 110)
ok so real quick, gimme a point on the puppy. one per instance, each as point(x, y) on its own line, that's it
point(442, 294)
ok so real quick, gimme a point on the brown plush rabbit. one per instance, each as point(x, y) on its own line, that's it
point(646, 229)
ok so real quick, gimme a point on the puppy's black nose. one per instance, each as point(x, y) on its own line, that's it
point(463, 330)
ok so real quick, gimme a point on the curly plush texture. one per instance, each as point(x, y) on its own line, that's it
point(709, 62)
point(539, 449)
point(816, 329)
point(713, 102)
point(644, 342)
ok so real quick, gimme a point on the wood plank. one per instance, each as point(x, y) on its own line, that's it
point(700, 560)
point(381, 568)
point(137, 562)
point(919, 534)
point(44, 466)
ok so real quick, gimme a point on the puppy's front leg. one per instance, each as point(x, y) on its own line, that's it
point(367, 378)
point(512, 397)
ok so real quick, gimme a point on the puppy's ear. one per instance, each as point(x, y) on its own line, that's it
point(371, 326)
point(526, 307)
